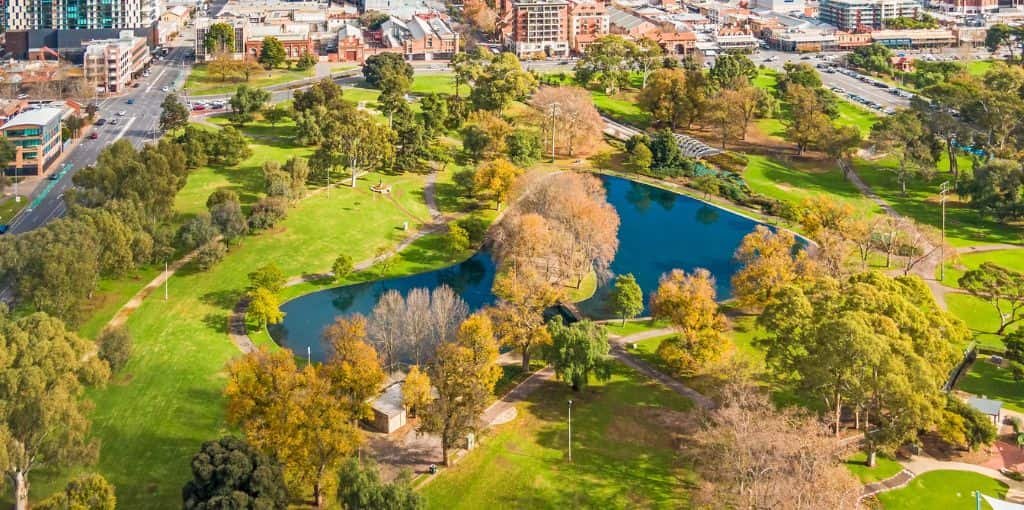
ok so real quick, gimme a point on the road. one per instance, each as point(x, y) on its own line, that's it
point(139, 125)
point(850, 85)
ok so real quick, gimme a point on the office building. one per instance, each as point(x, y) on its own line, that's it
point(36, 138)
point(20, 15)
point(111, 64)
point(588, 21)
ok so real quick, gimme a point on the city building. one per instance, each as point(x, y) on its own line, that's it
point(203, 26)
point(294, 37)
point(36, 138)
point(588, 20)
point(422, 37)
point(625, 23)
point(676, 43)
point(780, 5)
point(173, 21)
point(11, 107)
point(851, 15)
point(540, 27)
point(110, 65)
point(18, 15)
point(928, 38)
point(964, 6)
point(351, 45)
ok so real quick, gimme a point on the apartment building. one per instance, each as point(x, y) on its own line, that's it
point(539, 27)
point(965, 6)
point(852, 14)
point(20, 15)
point(36, 138)
point(110, 65)
point(588, 20)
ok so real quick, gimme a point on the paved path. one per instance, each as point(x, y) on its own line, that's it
point(898, 480)
point(619, 352)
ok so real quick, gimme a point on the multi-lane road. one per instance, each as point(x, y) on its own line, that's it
point(140, 124)
point(777, 59)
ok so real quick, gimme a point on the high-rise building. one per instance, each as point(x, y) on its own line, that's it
point(851, 14)
point(20, 15)
point(540, 27)
point(111, 64)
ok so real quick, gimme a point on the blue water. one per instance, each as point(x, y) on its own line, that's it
point(660, 231)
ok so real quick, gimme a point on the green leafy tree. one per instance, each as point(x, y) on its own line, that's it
point(640, 158)
point(209, 254)
point(275, 114)
point(229, 147)
point(875, 58)
point(626, 299)
point(1000, 35)
point(342, 267)
point(360, 487)
point(360, 145)
point(228, 473)
point(306, 62)
point(435, 112)
point(903, 136)
point(523, 147)
point(606, 63)
point(578, 351)
point(647, 56)
point(732, 70)
point(220, 37)
point(228, 218)
point(115, 347)
point(1001, 287)
point(86, 492)
point(173, 114)
point(272, 53)
point(501, 81)
point(457, 240)
point(7, 152)
point(665, 97)
point(997, 189)
point(966, 425)
point(383, 69)
point(44, 423)
point(246, 103)
point(269, 277)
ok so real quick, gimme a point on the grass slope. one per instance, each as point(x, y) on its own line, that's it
point(622, 455)
point(986, 379)
point(884, 468)
point(793, 182)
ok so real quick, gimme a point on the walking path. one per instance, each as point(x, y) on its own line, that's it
point(921, 464)
point(619, 352)
point(897, 481)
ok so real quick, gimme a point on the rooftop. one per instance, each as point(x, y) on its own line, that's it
point(389, 403)
point(986, 406)
point(38, 117)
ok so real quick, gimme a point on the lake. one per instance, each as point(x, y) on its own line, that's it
point(659, 231)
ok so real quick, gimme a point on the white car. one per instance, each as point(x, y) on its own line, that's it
point(165, 89)
point(122, 113)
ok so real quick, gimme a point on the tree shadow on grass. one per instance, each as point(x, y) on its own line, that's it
point(245, 180)
point(222, 298)
point(217, 322)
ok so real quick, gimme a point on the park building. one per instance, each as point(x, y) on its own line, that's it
point(36, 138)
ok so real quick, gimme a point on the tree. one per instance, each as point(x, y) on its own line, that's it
point(457, 240)
point(416, 390)
point(352, 368)
point(997, 189)
point(342, 267)
point(360, 488)
point(484, 135)
point(220, 38)
point(209, 254)
point(264, 308)
point(840, 142)
point(173, 114)
point(435, 112)
point(269, 277)
point(647, 56)
point(578, 351)
point(732, 71)
point(92, 492)
point(228, 473)
point(267, 212)
point(768, 265)
point(275, 114)
point(754, 456)
point(873, 58)
point(724, 109)
point(576, 123)
point(229, 147)
point(501, 81)
point(74, 124)
point(1000, 35)
point(359, 145)
point(687, 302)
point(7, 153)
point(219, 196)
point(606, 63)
point(524, 147)
point(903, 136)
point(44, 421)
point(626, 298)
point(293, 414)
point(196, 232)
point(665, 97)
point(468, 65)
point(807, 124)
point(464, 373)
point(246, 103)
point(1003, 288)
point(381, 68)
point(223, 64)
point(306, 61)
point(494, 179)
point(272, 53)
point(230, 221)
point(115, 347)
point(965, 425)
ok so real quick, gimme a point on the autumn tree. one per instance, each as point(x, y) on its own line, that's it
point(493, 180)
point(416, 390)
point(519, 316)
point(626, 299)
point(352, 367)
point(293, 414)
point(665, 97)
point(570, 112)
point(687, 302)
point(269, 277)
point(769, 263)
point(464, 373)
point(229, 472)
point(264, 308)
point(484, 135)
point(755, 456)
point(578, 351)
point(44, 420)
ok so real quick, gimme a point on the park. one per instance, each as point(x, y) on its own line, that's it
point(665, 299)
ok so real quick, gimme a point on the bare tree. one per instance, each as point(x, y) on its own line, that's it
point(386, 327)
point(417, 342)
point(447, 311)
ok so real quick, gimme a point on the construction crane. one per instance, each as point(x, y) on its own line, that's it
point(40, 54)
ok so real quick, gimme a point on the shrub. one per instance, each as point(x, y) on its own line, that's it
point(115, 347)
point(267, 212)
point(220, 196)
point(476, 228)
point(210, 254)
point(342, 267)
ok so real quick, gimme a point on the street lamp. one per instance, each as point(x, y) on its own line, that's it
point(943, 191)
point(570, 431)
point(555, 108)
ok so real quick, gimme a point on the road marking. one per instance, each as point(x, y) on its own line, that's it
point(124, 129)
point(155, 80)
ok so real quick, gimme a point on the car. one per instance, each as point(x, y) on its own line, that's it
point(94, 135)
point(164, 88)
point(136, 85)
point(122, 113)
point(217, 106)
point(53, 177)
point(100, 122)
point(198, 107)
point(131, 101)
point(113, 122)
point(22, 96)
point(4, 228)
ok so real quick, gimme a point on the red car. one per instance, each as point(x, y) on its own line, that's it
point(198, 108)
point(94, 135)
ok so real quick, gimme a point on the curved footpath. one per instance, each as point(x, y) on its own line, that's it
point(921, 464)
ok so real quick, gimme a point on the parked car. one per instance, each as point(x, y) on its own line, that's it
point(53, 176)
point(131, 101)
point(164, 88)
point(113, 122)
point(4, 229)
point(100, 122)
point(198, 107)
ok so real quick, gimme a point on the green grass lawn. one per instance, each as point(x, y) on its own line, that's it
point(634, 326)
point(884, 468)
point(622, 107)
point(794, 182)
point(964, 226)
point(978, 67)
point(986, 379)
point(111, 295)
point(201, 83)
point(434, 83)
point(851, 114)
point(948, 490)
point(980, 316)
point(9, 209)
point(622, 455)
point(1010, 259)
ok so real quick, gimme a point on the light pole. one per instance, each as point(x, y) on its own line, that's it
point(555, 108)
point(167, 278)
point(943, 191)
point(570, 431)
